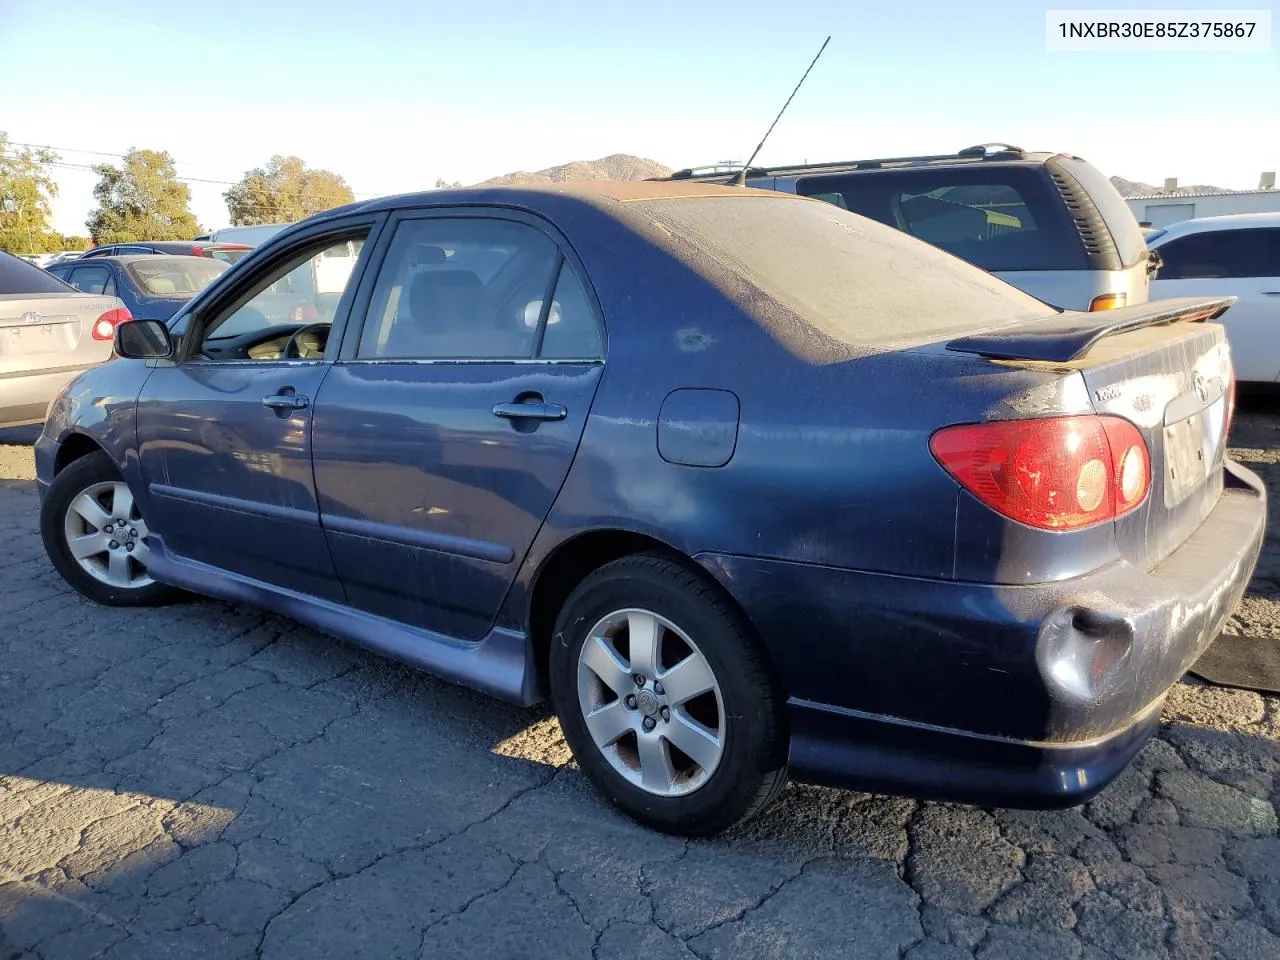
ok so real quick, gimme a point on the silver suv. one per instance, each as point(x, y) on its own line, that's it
point(1048, 223)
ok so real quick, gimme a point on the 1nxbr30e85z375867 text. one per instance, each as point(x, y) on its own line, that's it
point(1158, 30)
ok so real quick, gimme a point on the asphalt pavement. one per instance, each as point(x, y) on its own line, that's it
point(209, 781)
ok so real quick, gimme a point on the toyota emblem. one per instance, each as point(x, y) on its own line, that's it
point(31, 317)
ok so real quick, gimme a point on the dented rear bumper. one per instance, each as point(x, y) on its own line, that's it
point(1017, 695)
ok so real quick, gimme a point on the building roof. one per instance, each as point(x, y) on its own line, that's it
point(1187, 195)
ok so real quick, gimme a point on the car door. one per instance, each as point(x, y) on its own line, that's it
point(1244, 263)
point(448, 423)
point(224, 431)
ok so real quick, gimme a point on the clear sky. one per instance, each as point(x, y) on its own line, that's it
point(393, 94)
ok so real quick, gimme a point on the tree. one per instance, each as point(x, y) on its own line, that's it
point(443, 184)
point(142, 200)
point(25, 191)
point(284, 192)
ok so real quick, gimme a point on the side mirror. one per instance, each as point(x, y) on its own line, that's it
point(143, 340)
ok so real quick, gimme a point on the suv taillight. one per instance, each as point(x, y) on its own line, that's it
point(1108, 301)
point(1055, 473)
point(104, 328)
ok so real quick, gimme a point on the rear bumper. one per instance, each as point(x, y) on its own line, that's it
point(1019, 695)
point(25, 398)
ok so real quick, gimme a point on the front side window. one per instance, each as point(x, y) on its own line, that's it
point(1219, 254)
point(296, 294)
point(460, 288)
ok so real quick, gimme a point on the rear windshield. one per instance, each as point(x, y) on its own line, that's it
point(175, 276)
point(996, 217)
point(225, 255)
point(18, 276)
point(858, 282)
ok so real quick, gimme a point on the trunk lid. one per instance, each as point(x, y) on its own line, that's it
point(1162, 368)
point(51, 331)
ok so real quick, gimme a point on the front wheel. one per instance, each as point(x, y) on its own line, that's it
point(95, 535)
point(666, 698)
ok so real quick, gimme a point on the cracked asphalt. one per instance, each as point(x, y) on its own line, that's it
point(209, 781)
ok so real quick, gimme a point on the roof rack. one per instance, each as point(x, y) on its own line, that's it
point(984, 151)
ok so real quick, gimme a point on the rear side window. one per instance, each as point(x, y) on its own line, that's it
point(1222, 254)
point(996, 217)
point(462, 288)
point(18, 276)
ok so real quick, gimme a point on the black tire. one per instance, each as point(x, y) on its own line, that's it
point(752, 767)
point(89, 470)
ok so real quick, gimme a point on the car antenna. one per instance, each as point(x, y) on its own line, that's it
point(741, 179)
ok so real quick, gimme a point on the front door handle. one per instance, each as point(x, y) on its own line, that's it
point(533, 410)
point(281, 402)
point(1271, 293)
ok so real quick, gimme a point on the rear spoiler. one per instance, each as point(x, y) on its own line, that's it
point(1065, 336)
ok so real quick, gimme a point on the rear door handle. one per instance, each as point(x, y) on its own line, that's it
point(1271, 293)
point(535, 410)
point(286, 401)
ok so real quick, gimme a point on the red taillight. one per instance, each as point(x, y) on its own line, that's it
point(197, 251)
point(1055, 473)
point(104, 328)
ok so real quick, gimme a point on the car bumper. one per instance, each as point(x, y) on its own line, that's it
point(1014, 695)
point(25, 397)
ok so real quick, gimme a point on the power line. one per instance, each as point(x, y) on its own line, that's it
point(258, 191)
point(121, 156)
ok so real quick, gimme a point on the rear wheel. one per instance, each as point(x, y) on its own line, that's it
point(666, 699)
point(95, 534)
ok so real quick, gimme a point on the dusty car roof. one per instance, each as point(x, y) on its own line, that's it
point(598, 193)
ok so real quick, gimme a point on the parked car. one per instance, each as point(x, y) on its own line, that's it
point(64, 256)
point(1236, 255)
point(753, 486)
point(49, 332)
point(1049, 223)
point(229, 252)
point(152, 286)
point(251, 236)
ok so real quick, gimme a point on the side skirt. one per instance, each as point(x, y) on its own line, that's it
point(500, 665)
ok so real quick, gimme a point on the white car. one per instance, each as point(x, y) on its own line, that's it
point(1237, 255)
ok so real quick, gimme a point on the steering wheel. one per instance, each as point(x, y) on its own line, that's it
point(294, 349)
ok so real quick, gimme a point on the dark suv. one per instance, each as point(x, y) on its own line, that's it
point(1049, 223)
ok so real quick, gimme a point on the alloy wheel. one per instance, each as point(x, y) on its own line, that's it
point(651, 702)
point(105, 534)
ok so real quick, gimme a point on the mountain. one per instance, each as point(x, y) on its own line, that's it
point(618, 166)
point(1128, 188)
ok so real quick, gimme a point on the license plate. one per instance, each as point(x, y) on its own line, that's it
point(1193, 451)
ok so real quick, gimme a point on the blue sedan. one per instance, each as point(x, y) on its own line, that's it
point(751, 487)
point(152, 286)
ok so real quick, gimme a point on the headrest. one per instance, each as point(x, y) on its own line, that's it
point(424, 293)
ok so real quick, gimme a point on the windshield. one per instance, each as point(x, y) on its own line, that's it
point(859, 282)
point(175, 276)
point(226, 255)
